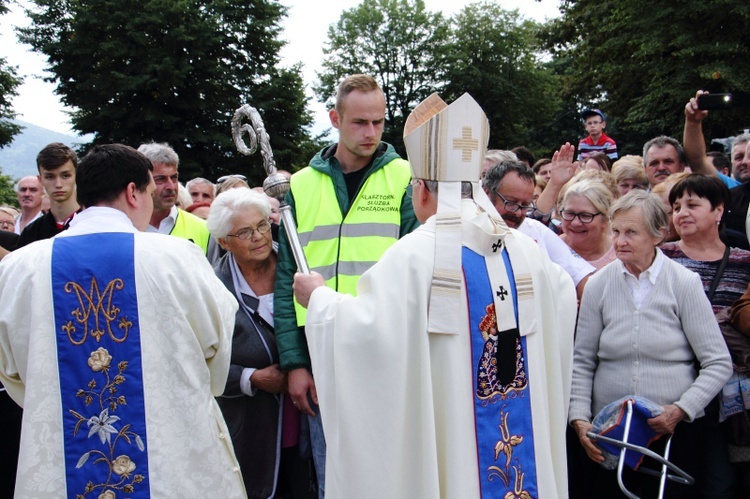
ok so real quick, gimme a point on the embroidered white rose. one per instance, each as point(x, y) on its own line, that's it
point(107, 494)
point(99, 359)
point(123, 466)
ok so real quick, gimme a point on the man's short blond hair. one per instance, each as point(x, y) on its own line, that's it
point(363, 83)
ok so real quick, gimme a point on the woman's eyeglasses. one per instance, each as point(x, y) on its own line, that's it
point(585, 218)
point(247, 232)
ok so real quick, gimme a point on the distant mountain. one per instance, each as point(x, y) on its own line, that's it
point(19, 158)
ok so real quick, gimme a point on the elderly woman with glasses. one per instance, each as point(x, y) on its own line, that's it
point(8, 216)
point(264, 425)
point(583, 210)
point(223, 184)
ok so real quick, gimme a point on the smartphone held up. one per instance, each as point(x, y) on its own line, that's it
point(714, 102)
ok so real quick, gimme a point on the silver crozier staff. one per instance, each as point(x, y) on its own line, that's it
point(276, 185)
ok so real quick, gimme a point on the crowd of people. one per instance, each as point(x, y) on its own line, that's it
point(467, 315)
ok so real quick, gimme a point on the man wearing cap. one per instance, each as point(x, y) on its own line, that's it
point(448, 374)
point(597, 141)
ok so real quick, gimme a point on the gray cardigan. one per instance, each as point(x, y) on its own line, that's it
point(620, 350)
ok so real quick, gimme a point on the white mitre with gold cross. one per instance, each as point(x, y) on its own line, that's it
point(447, 144)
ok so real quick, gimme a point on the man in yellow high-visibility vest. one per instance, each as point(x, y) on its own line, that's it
point(350, 206)
point(167, 218)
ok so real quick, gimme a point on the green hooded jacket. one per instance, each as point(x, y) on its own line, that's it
point(290, 339)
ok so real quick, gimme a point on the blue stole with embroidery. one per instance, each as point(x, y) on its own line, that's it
point(99, 358)
point(502, 400)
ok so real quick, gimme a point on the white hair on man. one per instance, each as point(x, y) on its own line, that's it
point(159, 152)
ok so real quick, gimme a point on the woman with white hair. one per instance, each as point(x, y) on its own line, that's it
point(584, 211)
point(264, 428)
point(646, 328)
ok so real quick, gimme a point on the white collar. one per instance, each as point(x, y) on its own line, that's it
point(652, 272)
point(99, 219)
point(167, 223)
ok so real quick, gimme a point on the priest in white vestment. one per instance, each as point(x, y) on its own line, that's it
point(448, 375)
point(115, 343)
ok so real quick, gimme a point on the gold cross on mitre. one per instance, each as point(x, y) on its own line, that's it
point(466, 144)
point(447, 143)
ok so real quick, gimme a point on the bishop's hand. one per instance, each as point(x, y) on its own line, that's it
point(305, 284)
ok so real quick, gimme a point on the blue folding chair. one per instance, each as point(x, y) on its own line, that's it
point(625, 428)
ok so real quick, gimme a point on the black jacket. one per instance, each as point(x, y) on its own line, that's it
point(253, 422)
point(43, 227)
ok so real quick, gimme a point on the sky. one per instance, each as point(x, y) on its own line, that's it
point(305, 30)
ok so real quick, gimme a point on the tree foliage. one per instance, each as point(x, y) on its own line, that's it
point(566, 124)
point(7, 191)
point(493, 54)
point(173, 71)
point(642, 64)
point(399, 43)
point(9, 83)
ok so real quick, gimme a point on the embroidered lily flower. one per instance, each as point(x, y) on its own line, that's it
point(102, 425)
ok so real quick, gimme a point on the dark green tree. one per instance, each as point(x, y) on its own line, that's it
point(292, 145)
point(642, 64)
point(399, 43)
point(494, 55)
point(9, 83)
point(173, 71)
point(566, 124)
point(7, 190)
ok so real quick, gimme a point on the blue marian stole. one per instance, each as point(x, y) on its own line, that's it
point(502, 401)
point(99, 358)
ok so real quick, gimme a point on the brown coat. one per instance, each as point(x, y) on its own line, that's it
point(740, 313)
